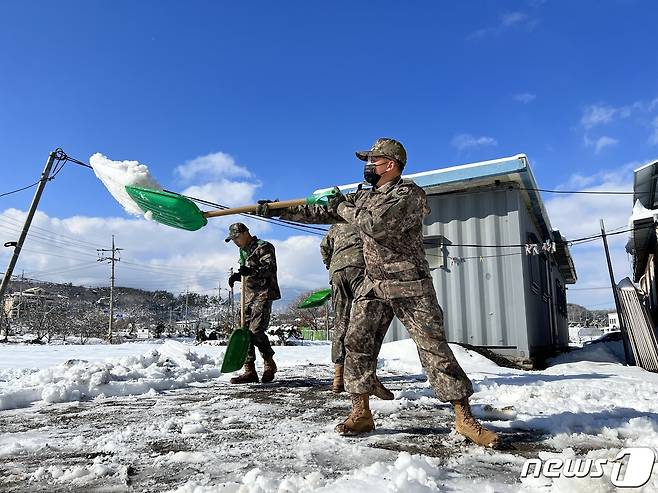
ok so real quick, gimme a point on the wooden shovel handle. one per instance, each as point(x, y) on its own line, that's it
point(242, 301)
point(280, 204)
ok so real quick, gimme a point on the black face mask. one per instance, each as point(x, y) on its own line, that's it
point(370, 175)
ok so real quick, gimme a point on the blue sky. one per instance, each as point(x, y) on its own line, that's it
point(290, 89)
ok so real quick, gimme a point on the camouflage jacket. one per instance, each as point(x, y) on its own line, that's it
point(342, 247)
point(390, 222)
point(259, 255)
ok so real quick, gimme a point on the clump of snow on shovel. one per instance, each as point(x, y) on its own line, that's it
point(116, 175)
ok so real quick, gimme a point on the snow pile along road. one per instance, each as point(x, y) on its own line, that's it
point(116, 175)
point(171, 366)
point(210, 436)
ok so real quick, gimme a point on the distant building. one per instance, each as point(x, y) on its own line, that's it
point(21, 301)
point(144, 333)
point(613, 321)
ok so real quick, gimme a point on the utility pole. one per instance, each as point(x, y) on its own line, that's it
point(186, 293)
point(18, 245)
point(112, 259)
point(622, 322)
point(20, 294)
point(219, 303)
point(326, 319)
point(232, 305)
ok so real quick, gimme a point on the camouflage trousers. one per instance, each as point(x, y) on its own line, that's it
point(345, 283)
point(257, 317)
point(422, 316)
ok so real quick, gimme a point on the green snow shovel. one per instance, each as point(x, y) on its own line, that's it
point(178, 211)
point(316, 299)
point(238, 344)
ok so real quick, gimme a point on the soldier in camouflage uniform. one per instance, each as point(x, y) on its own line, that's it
point(389, 217)
point(342, 254)
point(260, 289)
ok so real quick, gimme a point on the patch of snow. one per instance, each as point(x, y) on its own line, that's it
point(192, 428)
point(604, 352)
point(80, 475)
point(171, 366)
point(116, 175)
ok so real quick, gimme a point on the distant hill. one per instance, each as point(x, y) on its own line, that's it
point(157, 303)
point(584, 316)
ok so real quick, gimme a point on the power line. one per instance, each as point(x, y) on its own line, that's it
point(20, 189)
point(48, 240)
point(584, 192)
point(591, 289)
point(306, 228)
point(281, 222)
point(69, 239)
point(63, 269)
point(437, 242)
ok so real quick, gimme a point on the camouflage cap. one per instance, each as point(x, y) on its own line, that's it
point(234, 231)
point(385, 147)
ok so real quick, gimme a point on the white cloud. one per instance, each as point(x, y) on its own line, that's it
point(604, 142)
point(226, 192)
point(602, 113)
point(507, 21)
point(600, 143)
point(299, 263)
point(653, 104)
point(524, 97)
point(597, 114)
point(578, 215)
point(512, 18)
point(653, 138)
point(211, 166)
point(468, 141)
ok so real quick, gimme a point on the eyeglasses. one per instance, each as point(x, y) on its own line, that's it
point(373, 160)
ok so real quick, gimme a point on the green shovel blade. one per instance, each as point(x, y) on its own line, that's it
point(236, 350)
point(168, 208)
point(318, 298)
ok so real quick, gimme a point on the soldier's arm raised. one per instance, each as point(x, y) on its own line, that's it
point(309, 214)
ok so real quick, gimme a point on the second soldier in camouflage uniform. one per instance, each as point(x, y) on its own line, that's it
point(260, 289)
point(342, 254)
point(389, 217)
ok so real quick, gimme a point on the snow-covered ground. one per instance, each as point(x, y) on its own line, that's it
point(160, 417)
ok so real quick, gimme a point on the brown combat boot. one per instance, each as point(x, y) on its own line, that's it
point(360, 419)
point(382, 392)
point(249, 375)
point(338, 384)
point(467, 425)
point(269, 370)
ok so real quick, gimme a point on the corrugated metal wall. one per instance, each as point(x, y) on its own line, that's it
point(483, 297)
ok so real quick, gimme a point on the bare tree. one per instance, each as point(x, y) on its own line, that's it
point(5, 325)
point(42, 316)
